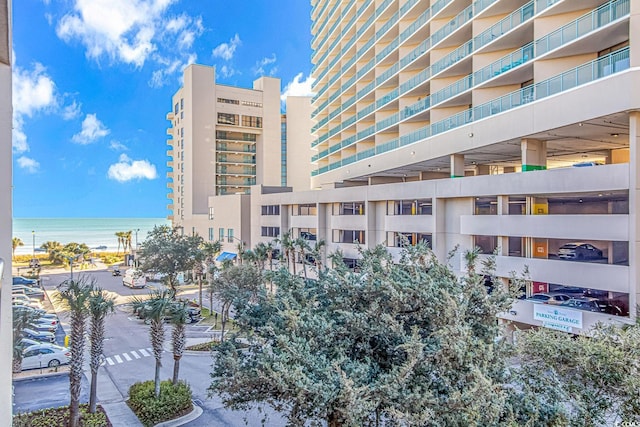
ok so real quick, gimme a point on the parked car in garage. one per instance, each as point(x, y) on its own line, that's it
point(45, 355)
point(579, 251)
point(583, 303)
point(548, 298)
point(29, 291)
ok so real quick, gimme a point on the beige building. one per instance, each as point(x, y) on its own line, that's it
point(224, 140)
point(6, 114)
point(508, 125)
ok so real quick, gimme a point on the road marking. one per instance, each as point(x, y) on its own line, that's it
point(110, 362)
point(118, 359)
point(126, 356)
point(144, 352)
point(133, 352)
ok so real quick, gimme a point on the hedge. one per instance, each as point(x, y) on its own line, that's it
point(60, 417)
point(174, 401)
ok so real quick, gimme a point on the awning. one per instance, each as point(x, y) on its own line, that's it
point(224, 256)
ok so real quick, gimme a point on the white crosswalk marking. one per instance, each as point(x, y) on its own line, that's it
point(109, 361)
point(118, 358)
point(134, 354)
point(150, 350)
point(126, 356)
point(144, 352)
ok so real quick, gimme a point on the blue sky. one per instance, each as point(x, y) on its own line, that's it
point(93, 80)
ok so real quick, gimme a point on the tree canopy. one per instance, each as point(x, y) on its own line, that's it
point(168, 252)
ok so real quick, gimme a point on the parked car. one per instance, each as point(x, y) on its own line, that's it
point(39, 311)
point(583, 303)
point(549, 298)
point(39, 335)
point(28, 342)
point(28, 291)
point(25, 300)
point(19, 280)
point(45, 355)
point(134, 279)
point(579, 251)
point(194, 314)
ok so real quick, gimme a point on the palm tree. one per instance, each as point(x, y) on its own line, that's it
point(120, 236)
point(51, 246)
point(303, 246)
point(270, 248)
point(240, 249)
point(74, 295)
point(260, 252)
point(179, 313)
point(317, 253)
point(288, 249)
point(14, 245)
point(126, 240)
point(155, 309)
point(100, 305)
point(209, 251)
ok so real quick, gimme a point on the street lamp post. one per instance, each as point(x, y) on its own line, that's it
point(33, 235)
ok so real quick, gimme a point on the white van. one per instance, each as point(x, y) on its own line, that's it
point(134, 279)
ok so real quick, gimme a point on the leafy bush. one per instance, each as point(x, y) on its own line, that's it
point(60, 417)
point(212, 345)
point(174, 401)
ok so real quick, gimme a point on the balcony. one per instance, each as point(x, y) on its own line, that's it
point(170, 116)
point(410, 223)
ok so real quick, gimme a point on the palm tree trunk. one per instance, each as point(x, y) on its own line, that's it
point(176, 369)
point(156, 388)
point(200, 289)
point(94, 391)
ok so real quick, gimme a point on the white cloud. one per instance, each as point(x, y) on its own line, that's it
point(128, 31)
point(161, 77)
point(117, 146)
point(259, 69)
point(33, 91)
point(298, 88)
point(28, 164)
point(127, 170)
point(71, 111)
point(92, 130)
point(226, 50)
point(226, 71)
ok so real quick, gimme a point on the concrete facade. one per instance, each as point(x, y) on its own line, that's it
point(507, 125)
point(6, 162)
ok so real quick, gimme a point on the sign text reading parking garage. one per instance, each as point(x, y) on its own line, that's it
point(560, 316)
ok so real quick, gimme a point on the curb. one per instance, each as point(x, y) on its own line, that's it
point(39, 376)
point(194, 414)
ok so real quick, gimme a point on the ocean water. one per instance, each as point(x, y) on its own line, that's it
point(93, 232)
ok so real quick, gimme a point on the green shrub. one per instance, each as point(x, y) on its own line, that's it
point(174, 401)
point(60, 417)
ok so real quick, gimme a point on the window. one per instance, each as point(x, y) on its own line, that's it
point(409, 207)
point(211, 234)
point(181, 103)
point(210, 214)
point(228, 101)
point(271, 210)
point(252, 104)
point(227, 119)
point(252, 121)
point(230, 235)
point(221, 234)
point(348, 236)
point(308, 233)
point(398, 239)
point(305, 210)
point(350, 208)
point(270, 231)
point(486, 206)
point(175, 109)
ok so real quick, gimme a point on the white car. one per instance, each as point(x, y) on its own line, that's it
point(45, 355)
point(25, 300)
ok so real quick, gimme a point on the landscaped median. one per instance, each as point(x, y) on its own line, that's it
point(60, 417)
point(174, 401)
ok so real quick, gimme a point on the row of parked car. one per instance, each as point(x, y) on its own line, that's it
point(578, 302)
point(38, 341)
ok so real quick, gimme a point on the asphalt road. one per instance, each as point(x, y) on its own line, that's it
point(128, 356)
point(48, 392)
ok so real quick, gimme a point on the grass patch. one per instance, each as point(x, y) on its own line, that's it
point(60, 417)
point(174, 401)
point(210, 319)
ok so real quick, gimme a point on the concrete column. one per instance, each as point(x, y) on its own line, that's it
point(322, 228)
point(534, 155)
point(439, 211)
point(503, 241)
point(634, 33)
point(457, 165)
point(634, 209)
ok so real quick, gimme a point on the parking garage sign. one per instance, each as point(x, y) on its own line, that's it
point(559, 317)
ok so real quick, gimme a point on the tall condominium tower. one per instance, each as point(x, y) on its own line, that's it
point(508, 125)
point(225, 139)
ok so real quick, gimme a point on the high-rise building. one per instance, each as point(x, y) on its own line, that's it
point(6, 120)
point(224, 140)
point(508, 125)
